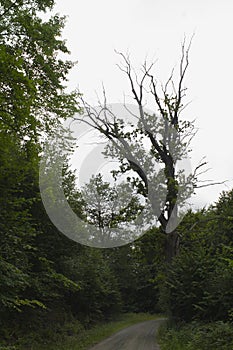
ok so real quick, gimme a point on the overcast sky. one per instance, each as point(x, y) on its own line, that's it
point(155, 29)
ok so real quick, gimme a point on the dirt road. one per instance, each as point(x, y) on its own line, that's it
point(141, 336)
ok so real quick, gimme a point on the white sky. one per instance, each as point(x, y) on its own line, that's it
point(155, 28)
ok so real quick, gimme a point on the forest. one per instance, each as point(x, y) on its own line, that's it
point(53, 290)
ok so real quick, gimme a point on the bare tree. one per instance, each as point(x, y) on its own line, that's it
point(169, 138)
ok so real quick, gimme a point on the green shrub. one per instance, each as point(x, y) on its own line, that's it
point(195, 336)
point(199, 285)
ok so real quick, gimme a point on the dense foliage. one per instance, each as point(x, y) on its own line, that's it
point(196, 336)
point(197, 290)
point(200, 280)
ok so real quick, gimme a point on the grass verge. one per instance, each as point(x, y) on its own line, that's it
point(72, 336)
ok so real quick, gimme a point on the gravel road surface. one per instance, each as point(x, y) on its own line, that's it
point(141, 336)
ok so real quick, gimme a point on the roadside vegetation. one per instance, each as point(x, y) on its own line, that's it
point(197, 289)
point(197, 336)
point(74, 336)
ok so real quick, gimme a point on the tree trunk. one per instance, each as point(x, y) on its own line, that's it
point(171, 246)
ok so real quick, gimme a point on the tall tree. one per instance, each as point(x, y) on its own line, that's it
point(33, 100)
point(167, 135)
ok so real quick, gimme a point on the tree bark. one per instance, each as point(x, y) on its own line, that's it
point(171, 246)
